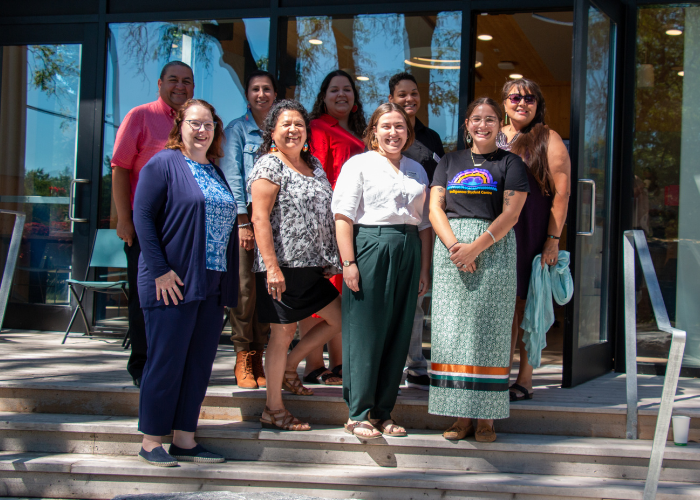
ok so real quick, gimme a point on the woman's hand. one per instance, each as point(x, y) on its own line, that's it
point(550, 252)
point(351, 276)
point(275, 283)
point(246, 237)
point(424, 283)
point(463, 256)
point(167, 284)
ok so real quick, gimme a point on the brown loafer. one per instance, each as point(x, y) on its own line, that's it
point(457, 432)
point(485, 435)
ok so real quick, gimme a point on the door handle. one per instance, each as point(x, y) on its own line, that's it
point(592, 228)
point(71, 195)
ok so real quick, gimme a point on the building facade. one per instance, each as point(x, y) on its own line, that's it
point(617, 77)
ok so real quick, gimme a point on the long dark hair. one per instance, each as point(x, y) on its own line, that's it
point(271, 122)
point(175, 136)
point(356, 120)
point(532, 142)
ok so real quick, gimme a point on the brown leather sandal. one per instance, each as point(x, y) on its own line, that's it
point(352, 426)
point(485, 435)
point(291, 383)
point(282, 419)
point(389, 428)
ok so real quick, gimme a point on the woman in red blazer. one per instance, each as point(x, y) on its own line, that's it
point(337, 125)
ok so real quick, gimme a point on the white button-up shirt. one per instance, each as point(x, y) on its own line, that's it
point(369, 191)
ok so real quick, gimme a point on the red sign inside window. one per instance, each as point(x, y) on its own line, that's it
point(672, 195)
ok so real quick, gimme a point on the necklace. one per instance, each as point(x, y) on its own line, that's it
point(486, 158)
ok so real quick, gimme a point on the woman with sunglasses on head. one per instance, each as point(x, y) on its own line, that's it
point(475, 200)
point(337, 125)
point(243, 138)
point(542, 220)
point(185, 219)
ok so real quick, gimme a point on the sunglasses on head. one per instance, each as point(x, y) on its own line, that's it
point(516, 98)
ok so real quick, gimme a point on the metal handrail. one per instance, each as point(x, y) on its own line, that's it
point(632, 239)
point(11, 262)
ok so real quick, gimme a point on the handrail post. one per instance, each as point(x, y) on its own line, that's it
point(632, 239)
point(12, 254)
point(630, 335)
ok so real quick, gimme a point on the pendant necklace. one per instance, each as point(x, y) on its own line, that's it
point(486, 158)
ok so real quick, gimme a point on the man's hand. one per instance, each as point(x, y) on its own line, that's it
point(125, 230)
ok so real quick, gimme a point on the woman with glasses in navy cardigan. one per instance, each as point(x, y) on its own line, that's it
point(185, 218)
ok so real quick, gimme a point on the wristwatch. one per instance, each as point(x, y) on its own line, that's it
point(348, 263)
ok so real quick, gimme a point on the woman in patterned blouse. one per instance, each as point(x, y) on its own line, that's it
point(185, 215)
point(296, 252)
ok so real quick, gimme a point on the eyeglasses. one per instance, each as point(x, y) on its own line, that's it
point(196, 125)
point(516, 98)
point(489, 121)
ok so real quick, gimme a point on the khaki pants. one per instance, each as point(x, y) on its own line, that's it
point(247, 333)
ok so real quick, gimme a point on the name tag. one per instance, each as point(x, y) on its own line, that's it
point(436, 157)
point(412, 175)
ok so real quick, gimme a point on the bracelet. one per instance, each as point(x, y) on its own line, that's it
point(492, 236)
point(453, 244)
point(245, 225)
point(553, 237)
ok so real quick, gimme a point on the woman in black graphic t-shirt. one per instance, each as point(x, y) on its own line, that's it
point(475, 200)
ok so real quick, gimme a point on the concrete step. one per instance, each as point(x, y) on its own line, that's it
point(327, 407)
point(421, 449)
point(97, 477)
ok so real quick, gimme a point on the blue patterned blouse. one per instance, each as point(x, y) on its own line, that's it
point(220, 210)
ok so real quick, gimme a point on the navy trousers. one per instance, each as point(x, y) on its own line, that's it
point(182, 343)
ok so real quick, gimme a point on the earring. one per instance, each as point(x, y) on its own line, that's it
point(505, 120)
point(306, 147)
point(354, 108)
point(468, 139)
point(273, 147)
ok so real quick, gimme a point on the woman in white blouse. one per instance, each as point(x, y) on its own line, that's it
point(380, 206)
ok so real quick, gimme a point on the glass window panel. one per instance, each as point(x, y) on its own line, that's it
point(595, 165)
point(221, 53)
point(40, 99)
point(372, 48)
point(666, 203)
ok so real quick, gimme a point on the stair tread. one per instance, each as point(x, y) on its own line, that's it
point(323, 434)
point(346, 475)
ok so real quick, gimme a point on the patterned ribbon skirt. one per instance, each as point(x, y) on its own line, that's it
point(471, 323)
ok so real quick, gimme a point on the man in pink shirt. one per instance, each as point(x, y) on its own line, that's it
point(143, 132)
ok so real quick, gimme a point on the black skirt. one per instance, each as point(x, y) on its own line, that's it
point(307, 293)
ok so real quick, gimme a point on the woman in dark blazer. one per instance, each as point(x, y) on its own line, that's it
point(185, 217)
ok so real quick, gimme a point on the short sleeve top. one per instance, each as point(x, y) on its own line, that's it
point(474, 189)
point(303, 228)
point(370, 192)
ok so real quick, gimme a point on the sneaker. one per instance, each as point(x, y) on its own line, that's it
point(198, 454)
point(421, 382)
point(158, 457)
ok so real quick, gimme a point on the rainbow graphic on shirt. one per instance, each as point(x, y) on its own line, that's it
point(473, 181)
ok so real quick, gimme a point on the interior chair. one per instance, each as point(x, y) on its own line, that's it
point(107, 251)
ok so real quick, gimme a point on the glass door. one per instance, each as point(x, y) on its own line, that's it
point(41, 176)
point(588, 346)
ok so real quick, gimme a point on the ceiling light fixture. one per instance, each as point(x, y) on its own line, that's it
point(681, 73)
point(363, 78)
point(315, 41)
point(174, 45)
point(437, 60)
point(428, 66)
point(674, 32)
point(485, 37)
point(506, 65)
point(478, 64)
point(515, 76)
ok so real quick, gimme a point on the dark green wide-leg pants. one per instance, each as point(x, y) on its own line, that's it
point(377, 320)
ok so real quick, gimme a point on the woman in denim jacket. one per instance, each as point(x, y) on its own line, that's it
point(243, 138)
